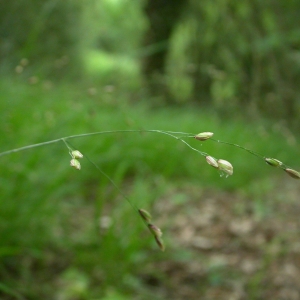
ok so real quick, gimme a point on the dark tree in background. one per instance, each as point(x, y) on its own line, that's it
point(235, 55)
point(163, 15)
point(225, 54)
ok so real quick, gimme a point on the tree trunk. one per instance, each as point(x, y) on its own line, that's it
point(163, 16)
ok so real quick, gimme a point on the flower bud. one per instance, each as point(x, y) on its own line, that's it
point(293, 173)
point(225, 166)
point(155, 230)
point(203, 136)
point(76, 154)
point(145, 215)
point(273, 162)
point(160, 243)
point(211, 161)
point(75, 164)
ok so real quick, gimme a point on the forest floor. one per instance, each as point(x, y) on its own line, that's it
point(232, 249)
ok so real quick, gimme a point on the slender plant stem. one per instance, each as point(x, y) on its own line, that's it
point(63, 139)
point(105, 175)
point(238, 146)
point(30, 147)
point(173, 134)
point(200, 152)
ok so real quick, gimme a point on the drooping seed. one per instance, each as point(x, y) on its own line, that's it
point(211, 161)
point(160, 243)
point(293, 173)
point(76, 154)
point(155, 230)
point(75, 164)
point(145, 215)
point(225, 166)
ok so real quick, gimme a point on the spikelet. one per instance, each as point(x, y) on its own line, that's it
point(203, 136)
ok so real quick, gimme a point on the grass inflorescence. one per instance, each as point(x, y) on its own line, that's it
point(61, 227)
point(223, 166)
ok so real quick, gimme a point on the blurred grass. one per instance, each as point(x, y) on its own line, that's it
point(52, 218)
point(109, 68)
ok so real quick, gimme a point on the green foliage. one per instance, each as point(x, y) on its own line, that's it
point(225, 53)
point(55, 36)
point(111, 30)
point(44, 32)
point(69, 234)
point(71, 229)
point(228, 52)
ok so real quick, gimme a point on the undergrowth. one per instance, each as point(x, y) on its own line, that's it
point(78, 224)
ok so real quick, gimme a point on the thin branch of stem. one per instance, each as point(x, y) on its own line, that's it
point(238, 146)
point(108, 177)
point(173, 134)
point(63, 139)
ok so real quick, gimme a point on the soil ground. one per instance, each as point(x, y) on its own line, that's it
point(233, 247)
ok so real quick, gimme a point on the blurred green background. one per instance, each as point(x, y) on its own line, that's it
point(71, 67)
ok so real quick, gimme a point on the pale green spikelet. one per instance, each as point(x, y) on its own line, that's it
point(212, 161)
point(203, 136)
point(76, 154)
point(225, 166)
point(75, 164)
point(273, 162)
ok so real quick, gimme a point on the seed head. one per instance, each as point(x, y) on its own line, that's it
point(225, 166)
point(211, 161)
point(203, 136)
point(155, 230)
point(273, 162)
point(76, 154)
point(160, 243)
point(145, 215)
point(293, 173)
point(75, 164)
